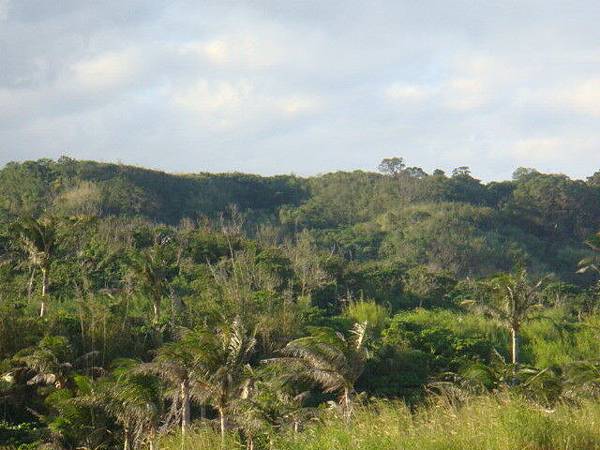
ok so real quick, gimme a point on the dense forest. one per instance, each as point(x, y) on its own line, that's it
point(351, 310)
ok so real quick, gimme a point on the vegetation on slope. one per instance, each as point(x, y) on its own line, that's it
point(350, 310)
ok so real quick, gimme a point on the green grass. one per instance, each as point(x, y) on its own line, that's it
point(502, 423)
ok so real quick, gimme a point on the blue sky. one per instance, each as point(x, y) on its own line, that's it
point(303, 86)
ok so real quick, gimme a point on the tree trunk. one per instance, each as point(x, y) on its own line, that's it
point(126, 444)
point(222, 420)
point(44, 291)
point(185, 406)
point(152, 438)
point(514, 331)
point(346, 401)
point(156, 309)
point(30, 284)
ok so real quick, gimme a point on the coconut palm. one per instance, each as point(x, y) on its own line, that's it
point(132, 400)
point(223, 366)
point(582, 379)
point(37, 240)
point(175, 364)
point(513, 300)
point(204, 365)
point(51, 362)
point(154, 268)
point(591, 263)
point(330, 359)
point(541, 385)
point(252, 418)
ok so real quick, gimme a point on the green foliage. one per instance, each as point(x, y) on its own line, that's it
point(250, 304)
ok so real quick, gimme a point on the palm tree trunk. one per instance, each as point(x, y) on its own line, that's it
point(152, 438)
point(185, 406)
point(30, 284)
point(346, 400)
point(44, 291)
point(514, 331)
point(156, 309)
point(126, 443)
point(222, 420)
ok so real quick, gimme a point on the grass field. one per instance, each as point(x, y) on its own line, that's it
point(492, 422)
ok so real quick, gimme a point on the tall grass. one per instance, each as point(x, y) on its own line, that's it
point(492, 422)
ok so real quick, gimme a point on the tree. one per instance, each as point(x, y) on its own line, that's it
point(51, 362)
point(427, 285)
point(462, 171)
point(594, 180)
point(330, 359)
point(154, 268)
point(307, 264)
point(131, 399)
point(513, 300)
point(222, 366)
point(591, 263)
point(392, 166)
point(175, 364)
point(37, 239)
point(523, 173)
point(415, 172)
point(206, 365)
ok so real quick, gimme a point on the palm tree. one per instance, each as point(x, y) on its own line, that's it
point(513, 301)
point(132, 399)
point(583, 377)
point(541, 385)
point(591, 263)
point(223, 366)
point(51, 362)
point(175, 364)
point(330, 359)
point(154, 267)
point(37, 239)
point(206, 365)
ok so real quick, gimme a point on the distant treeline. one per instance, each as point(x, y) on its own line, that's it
point(449, 222)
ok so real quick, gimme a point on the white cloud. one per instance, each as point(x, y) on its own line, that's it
point(407, 92)
point(300, 104)
point(538, 149)
point(464, 94)
point(236, 51)
point(210, 97)
point(583, 98)
point(228, 104)
point(461, 94)
point(106, 70)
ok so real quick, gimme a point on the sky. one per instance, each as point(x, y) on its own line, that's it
point(304, 87)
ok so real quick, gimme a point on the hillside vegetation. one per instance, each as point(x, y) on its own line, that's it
point(365, 310)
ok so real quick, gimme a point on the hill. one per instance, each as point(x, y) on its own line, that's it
point(454, 223)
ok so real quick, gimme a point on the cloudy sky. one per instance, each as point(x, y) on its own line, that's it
point(284, 86)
